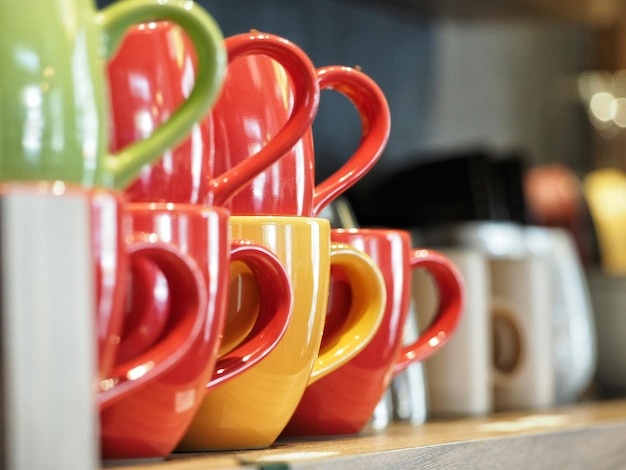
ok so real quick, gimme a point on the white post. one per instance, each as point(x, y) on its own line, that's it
point(47, 336)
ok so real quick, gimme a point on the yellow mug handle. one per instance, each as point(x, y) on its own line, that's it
point(364, 316)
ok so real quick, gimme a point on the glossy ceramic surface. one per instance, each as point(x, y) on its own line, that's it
point(288, 187)
point(153, 73)
point(54, 101)
point(113, 254)
point(111, 263)
point(170, 377)
point(251, 410)
point(343, 401)
point(146, 315)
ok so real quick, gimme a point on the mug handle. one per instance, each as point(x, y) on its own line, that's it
point(302, 73)
point(373, 109)
point(269, 322)
point(450, 286)
point(150, 313)
point(121, 168)
point(364, 316)
point(187, 294)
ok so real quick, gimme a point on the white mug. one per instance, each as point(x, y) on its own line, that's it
point(467, 358)
point(573, 331)
point(521, 305)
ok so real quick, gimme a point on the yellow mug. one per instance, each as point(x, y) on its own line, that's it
point(251, 410)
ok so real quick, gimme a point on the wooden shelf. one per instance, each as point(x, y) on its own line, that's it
point(584, 436)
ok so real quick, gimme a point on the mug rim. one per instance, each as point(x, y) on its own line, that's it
point(279, 219)
point(175, 208)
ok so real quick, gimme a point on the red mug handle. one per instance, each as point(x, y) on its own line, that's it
point(373, 109)
point(187, 293)
point(150, 313)
point(274, 311)
point(450, 285)
point(305, 104)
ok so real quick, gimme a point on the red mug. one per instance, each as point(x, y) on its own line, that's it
point(148, 419)
point(288, 187)
point(113, 255)
point(330, 405)
point(153, 73)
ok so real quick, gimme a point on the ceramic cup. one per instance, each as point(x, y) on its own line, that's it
point(114, 254)
point(522, 334)
point(150, 419)
point(53, 123)
point(251, 410)
point(153, 73)
point(573, 342)
point(467, 358)
point(344, 400)
point(255, 88)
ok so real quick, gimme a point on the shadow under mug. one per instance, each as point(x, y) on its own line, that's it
point(55, 98)
point(149, 418)
point(344, 401)
point(251, 410)
point(288, 187)
point(152, 74)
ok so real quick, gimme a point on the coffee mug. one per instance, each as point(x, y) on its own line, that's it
point(113, 256)
point(522, 334)
point(251, 410)
point(503, 349)
point(467, 358)
point(573, 338)
point(153, 73)
point(343, 401)
point(288, 187)
point(113, 253)
point(54, 119)
point(149, 419)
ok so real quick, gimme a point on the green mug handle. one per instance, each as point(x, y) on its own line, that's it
point(121, 168)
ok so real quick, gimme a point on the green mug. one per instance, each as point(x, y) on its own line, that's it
point(54, 107)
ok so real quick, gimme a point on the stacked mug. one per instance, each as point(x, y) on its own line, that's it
point(164, 263)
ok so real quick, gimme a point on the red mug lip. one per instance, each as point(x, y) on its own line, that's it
point(371, 231)
point(178, 207)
